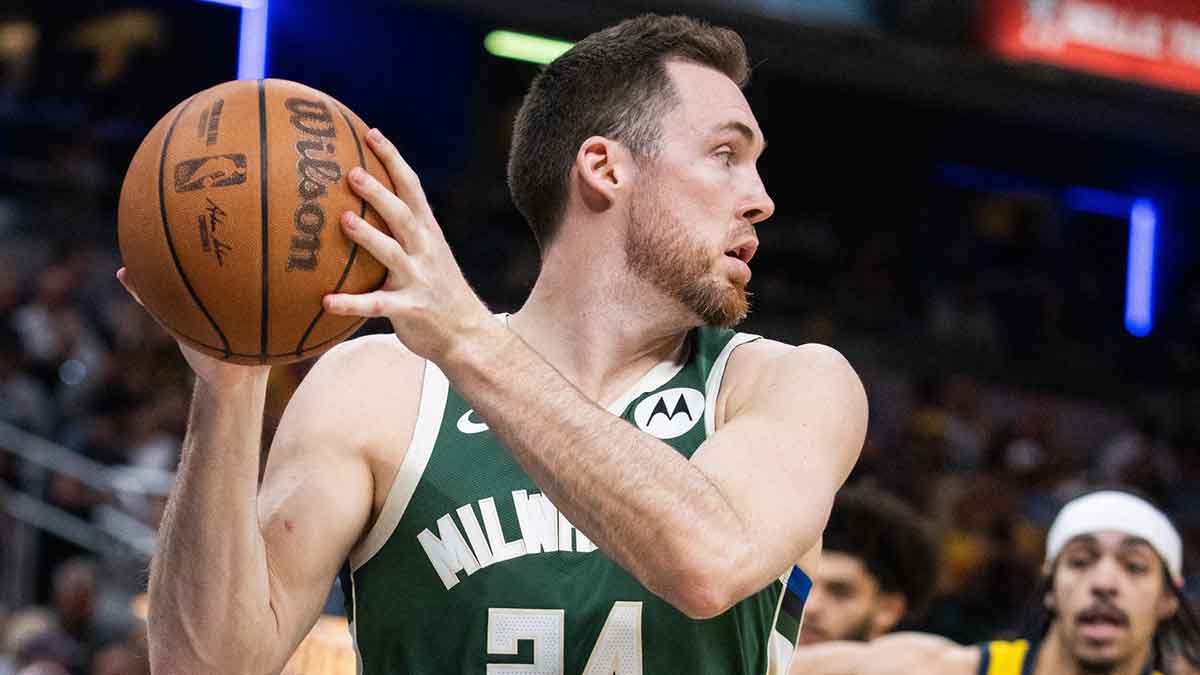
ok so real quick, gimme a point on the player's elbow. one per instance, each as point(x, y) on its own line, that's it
point(703, 591)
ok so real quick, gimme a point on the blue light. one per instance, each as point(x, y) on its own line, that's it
point(1139, 280)
point(1099, 202)
point(252, 43)
point(985, 180)
point(252, 46)
point(245, 4)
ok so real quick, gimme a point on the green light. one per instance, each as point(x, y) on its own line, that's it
point(509, 45)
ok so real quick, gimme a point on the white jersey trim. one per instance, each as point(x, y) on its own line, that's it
point(434, 390)
point(779, 649)
point(653, 379)
point(713, 386)
point(358, 660)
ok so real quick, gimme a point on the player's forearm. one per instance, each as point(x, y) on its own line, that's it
point(209, 595)
point(633, 495)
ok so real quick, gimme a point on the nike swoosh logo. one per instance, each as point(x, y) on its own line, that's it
point(470, 426)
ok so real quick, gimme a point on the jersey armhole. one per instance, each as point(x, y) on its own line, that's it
point(985, 658)
point(434, 392)
point(712, 386)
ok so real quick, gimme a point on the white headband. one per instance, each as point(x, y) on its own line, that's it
point(1116, 511)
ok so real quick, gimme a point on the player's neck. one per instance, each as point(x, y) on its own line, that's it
point(1054, 658)
point(597, 325)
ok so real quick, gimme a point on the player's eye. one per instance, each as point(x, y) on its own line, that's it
point(1079, 561)
point(1136, 568)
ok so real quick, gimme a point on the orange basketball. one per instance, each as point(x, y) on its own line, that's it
point(229, 221)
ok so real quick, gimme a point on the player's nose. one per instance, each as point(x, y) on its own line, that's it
point(1105, 577)
point(759, 206)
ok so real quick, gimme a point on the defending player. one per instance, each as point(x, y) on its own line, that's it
point(471, 468)
point(878, 567)
point(1112, 599)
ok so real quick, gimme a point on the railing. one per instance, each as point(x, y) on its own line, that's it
point(112, 534)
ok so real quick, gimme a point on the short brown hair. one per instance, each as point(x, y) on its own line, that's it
point(613, 83)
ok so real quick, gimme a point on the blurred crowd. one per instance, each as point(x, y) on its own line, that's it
point(994, 368)
point(83, 366)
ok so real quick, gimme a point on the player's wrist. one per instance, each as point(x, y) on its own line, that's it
point(480, 343)
point(232, 382)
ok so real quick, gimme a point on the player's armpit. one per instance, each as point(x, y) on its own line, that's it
point(317, 494)
point(794, 423)
point(897, 654)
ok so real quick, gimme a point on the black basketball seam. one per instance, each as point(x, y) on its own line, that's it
point(358, 324)
point(262, 141)
point(362, 161)
point(162, 209)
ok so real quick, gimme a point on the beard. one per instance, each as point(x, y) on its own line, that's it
point(658, 251)
point(1094, 666)
point(860, 632)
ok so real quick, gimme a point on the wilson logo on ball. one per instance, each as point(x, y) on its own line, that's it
point(316, 171)
point(214, 171)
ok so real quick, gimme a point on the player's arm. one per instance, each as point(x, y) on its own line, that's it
point(897, 654)
point(705, 533)
point(242, 573)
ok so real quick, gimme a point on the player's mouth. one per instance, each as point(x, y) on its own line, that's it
point(739, 256)
point(1101, 623)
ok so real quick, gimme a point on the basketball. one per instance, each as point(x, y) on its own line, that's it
point(229, 220)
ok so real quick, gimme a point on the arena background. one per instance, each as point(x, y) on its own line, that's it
point(989, 207)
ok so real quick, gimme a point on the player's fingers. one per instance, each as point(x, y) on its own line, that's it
point(369, 305)
point(405, 180)
point(123, 277)
point(396, 214)
point(387, 250)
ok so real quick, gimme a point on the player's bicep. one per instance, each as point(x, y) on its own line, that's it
point(317, 490)
point(313, 507)
point(788, 445)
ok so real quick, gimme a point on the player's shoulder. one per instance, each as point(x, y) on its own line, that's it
point(765, 351)
point(379, 355)
point(372, 382)
point(894, 654)
point(940, 655)
point(766, 361)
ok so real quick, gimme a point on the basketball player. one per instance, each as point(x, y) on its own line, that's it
point(1112, 599)
point(878, 566)
point(608, 481)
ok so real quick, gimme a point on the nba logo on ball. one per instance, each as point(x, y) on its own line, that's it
point(670, 413)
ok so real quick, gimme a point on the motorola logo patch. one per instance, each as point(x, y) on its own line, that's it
point(670, 413)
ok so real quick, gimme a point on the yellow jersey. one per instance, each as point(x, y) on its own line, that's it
point(1013, 658)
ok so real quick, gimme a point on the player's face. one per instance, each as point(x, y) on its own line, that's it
point(695, 205)
point(1109, 595)
point(846, 603)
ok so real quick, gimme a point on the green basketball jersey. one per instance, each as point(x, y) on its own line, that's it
point(469, 569)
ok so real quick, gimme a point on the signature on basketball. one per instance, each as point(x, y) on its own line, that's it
point(213, 217)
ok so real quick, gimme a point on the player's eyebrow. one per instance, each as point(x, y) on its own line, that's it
point(742, 129)
point(1136, 543)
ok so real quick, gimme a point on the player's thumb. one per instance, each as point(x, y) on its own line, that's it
point(123, 277)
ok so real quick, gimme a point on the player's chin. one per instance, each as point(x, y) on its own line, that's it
point(732, 309)
point(1100, 657)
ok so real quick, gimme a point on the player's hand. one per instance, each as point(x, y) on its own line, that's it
point(214, 371)
point(426, 297)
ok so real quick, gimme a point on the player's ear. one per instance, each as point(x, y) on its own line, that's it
point(889, 609)
point(1168, 600)
point(604, 169)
